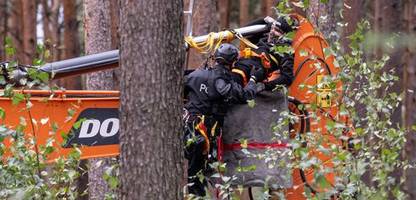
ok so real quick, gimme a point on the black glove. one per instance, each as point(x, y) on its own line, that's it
point(284, 25)
point(258, 74)
point(194, 145)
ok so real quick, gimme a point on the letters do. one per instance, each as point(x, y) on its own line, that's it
point(91, 127)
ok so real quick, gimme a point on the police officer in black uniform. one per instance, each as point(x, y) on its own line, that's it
point(209, 92)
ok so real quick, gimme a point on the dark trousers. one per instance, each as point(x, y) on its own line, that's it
point(200, 137)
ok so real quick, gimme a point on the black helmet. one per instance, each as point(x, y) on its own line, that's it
point(226, 54)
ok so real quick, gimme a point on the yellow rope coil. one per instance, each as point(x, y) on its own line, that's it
point(211, 43)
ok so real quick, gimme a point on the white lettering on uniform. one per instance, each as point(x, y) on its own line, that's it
point(204, 88)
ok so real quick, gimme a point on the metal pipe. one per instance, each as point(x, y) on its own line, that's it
point(244, 31)
point(110, 59)
point(83, 64)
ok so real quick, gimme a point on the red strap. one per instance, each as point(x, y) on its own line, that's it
point(254, 145)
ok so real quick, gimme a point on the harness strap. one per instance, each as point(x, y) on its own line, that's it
point(203, 130)
point(265, 61)
point(242, 74)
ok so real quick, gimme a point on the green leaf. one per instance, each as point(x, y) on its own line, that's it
point(49, 150)
point(327, 52)
point(303, 53)
point(2, 114)
point(251, 103)
point(17, 98)
point(71, 112)
point(78, 123)
point(43, 76)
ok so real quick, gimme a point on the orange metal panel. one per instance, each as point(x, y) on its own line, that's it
point(308, 41)
point(47, 110)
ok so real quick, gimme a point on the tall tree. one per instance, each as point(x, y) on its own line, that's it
point(224, 10)
point(71, 42)
point(3, 27)
point(388, 23)
point(29, 30)
point(204, 21)
point(353, 13)
point(98, 38)
point(323, 17)
point(267, 7)
point(15, 27)
point(244, 14)
point(409, 83)
point(152, 57)
point(52, 27)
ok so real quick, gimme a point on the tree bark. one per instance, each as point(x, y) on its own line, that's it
point(327, 26)
point(15, 25)
point(204, 21)
point(29, 30)
point(409, 83)
point(268, 7)
point(71, 41)
point(353, 14)
point(98, 38)
point(3, 27)
point(244, 6)
point(52, 28)
point(152, 55)
point(391, 14)
point(224, 9)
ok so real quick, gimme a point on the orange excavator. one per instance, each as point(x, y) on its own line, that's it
point(89, 119)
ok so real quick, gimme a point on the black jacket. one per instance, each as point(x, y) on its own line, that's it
point(211, 91)
point(284, 64)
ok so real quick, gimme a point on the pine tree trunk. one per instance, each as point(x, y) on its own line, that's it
point(409, 82)
point(267, 6)
point(352, 16)
point(391, 13)
point(29, 30)
point(51, 27)
point(244, 6)
point(3, 27)
point(71, 41)
point(316, 10)
point(152, 57)
point(204, 21)
point(98, 38)
point(224, 9)
point(15, 25)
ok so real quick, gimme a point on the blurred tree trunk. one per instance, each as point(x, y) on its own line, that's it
point(409, 82)
point(204, 21)
point(353, 14)
point(327, 24)
point(267, 7)
point(224, 9)
point(15, 27)
point(52, 28)
point(71, 43)
point(389, 22)
point(3, 27)
point(98, 38)
point(29, 30)
point(151, 99)
point(244, 6)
